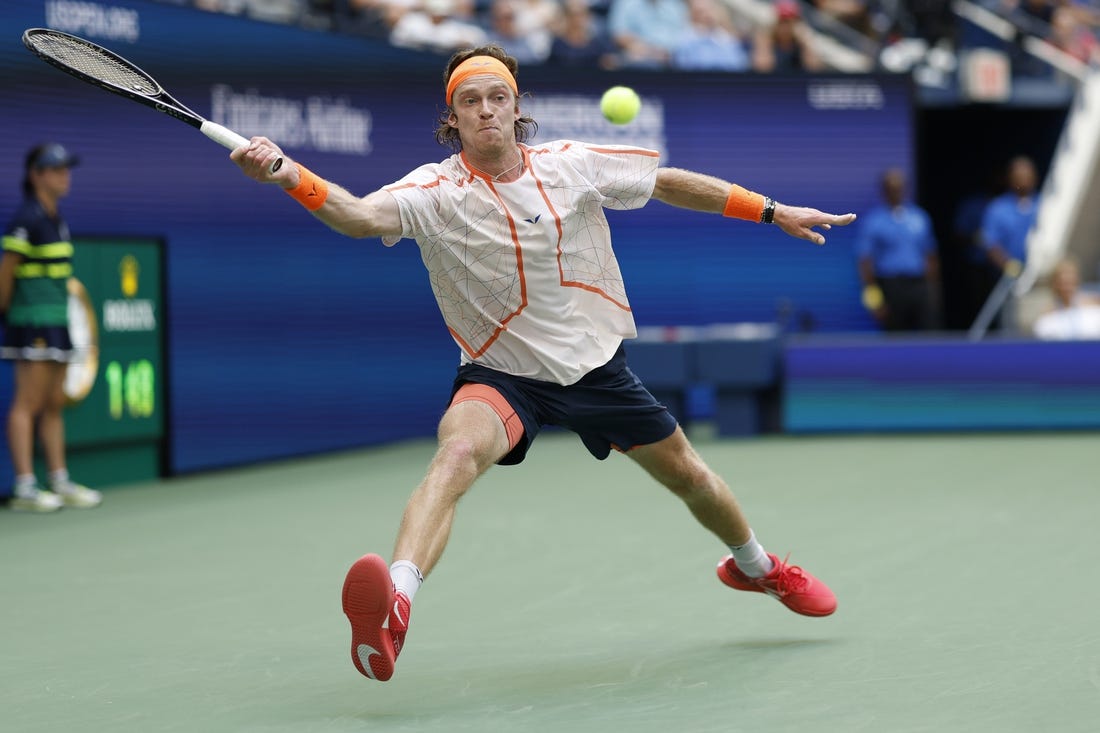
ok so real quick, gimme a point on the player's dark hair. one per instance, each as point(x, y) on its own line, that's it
point(445, 135)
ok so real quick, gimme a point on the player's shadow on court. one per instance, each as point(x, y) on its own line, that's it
point(656, 675)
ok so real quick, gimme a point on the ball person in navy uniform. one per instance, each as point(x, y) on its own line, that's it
point(34, 272)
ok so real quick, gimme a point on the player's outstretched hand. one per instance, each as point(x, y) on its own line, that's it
point(800, 221)
point(255, 161)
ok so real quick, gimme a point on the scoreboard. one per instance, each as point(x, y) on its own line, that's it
point(115, 388)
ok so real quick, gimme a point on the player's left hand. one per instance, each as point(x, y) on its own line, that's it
point(801, 221)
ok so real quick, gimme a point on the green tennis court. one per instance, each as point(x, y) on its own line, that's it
point(575, 596)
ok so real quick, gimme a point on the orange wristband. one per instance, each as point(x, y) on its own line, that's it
point(311, 190)
point(744, 204)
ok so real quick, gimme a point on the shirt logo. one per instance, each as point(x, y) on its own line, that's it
point(535, 220)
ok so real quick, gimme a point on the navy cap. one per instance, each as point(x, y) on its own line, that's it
point(54, 155)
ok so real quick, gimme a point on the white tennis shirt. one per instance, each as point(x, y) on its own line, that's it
point(523, 272)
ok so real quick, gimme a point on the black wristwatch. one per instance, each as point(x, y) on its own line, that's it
point(768, 215)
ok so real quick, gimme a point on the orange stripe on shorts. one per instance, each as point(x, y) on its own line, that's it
point(513, 426)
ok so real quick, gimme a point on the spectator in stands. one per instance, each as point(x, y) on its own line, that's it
point(1087, 12)
point(439, 25)
point(785, 44)
point(1070, 35)
point(898, 260)
point(646, 32)
point(711, 42)
point(526, 46)
point(1073, 314)
point(539, 18)
point(582, 39)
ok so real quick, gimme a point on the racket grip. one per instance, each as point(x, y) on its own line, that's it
point(229, 139)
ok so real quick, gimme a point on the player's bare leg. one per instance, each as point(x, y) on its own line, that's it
point(471, 439)
point(677, 466)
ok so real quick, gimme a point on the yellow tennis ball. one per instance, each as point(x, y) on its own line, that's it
point(620, 105)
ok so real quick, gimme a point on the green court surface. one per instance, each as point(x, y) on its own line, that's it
point(576, 595)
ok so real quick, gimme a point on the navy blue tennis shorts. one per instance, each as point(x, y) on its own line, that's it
point(37, 343)
point(608, 408)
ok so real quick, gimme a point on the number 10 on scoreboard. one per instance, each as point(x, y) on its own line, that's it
point(131, 389)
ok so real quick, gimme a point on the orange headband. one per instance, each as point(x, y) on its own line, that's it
point(476, 65)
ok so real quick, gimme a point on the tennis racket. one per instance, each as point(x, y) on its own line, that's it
point(107, 70)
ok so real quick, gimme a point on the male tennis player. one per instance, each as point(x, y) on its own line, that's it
point(519, 255)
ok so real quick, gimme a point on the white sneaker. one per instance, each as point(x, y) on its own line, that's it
point(36, 500)
point(80, 497)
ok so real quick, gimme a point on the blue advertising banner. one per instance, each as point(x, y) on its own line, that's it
point(285, 338)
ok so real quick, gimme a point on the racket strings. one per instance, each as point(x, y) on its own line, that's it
point(96, 64)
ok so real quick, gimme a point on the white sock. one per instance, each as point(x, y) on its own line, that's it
point(59, 479)
point(406, 578)
point(751, 558)
point(25, 484)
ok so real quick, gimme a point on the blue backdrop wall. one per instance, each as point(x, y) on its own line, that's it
point(285, 338)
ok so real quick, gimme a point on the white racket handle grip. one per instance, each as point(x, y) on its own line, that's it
point(227, 138)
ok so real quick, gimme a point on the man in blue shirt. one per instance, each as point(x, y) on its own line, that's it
point(898, 260)
point(646, 31)
point(1009, 218)
point(1007, 221)
point(711, 42)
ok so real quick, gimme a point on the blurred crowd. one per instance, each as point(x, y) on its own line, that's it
point(671, 34)
point(728, 35)
point(1068, 25)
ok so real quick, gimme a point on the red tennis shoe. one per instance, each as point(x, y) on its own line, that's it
point(789, 584)
point(369, 601)
point(399, 621)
